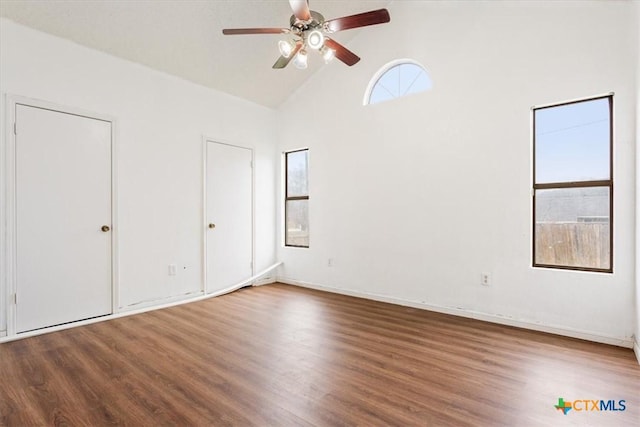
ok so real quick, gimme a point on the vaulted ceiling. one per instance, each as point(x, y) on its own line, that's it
point(184, 37)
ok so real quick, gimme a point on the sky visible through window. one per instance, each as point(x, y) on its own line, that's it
point(572, 142)
point(297, 165)
point(400, 80)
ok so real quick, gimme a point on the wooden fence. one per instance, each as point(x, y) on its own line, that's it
point(574, 244)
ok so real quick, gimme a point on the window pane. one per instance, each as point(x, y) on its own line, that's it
point(420, 84)
point(380, 94)
point(413, 79)
point(391, 81)
point(572, 142)
point(297, 164)
point(398, 80)
point(572, 227)
point(297, 223)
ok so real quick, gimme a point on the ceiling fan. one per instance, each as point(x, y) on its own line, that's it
point(309, 29)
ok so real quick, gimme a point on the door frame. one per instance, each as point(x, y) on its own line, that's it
point(206, 140)
point(8, 281)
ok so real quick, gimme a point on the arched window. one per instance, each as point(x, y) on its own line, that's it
point(397, 78)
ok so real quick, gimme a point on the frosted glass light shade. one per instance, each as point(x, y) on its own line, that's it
point(300, 60)
point(315, 39)
point(328, 54)
point(285, 47)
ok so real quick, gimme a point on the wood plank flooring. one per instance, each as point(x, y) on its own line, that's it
point(279, 355)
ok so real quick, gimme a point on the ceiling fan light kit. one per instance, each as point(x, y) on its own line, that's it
point(315, 39)
point(285, 47)
point(327, 54)
point(309, 29)
point(300, 60)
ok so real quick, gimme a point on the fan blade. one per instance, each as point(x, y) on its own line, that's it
point(300, 9)
point(374, 17)
point(283, 62)
point(342, 53)
point(236, 31)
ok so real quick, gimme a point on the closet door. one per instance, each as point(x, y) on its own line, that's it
point(63, 218)
point(229, 216)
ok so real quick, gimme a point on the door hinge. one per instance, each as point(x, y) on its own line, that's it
point(15, 298)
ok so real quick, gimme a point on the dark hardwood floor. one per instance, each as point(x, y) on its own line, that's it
point(284, 356)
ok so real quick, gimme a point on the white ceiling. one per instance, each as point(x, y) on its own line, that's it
point(184, 37)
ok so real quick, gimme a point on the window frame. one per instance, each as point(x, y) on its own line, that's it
point(288, 198)
point(382, 71)
point(574, 184)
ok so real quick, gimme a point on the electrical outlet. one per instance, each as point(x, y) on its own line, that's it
point(172, 269)
point(485, 279)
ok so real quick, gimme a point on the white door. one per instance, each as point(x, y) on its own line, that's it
point(63, 212)
point(229, 216)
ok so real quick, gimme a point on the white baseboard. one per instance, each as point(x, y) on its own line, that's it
point(636, 348)
point(127, 311)
point(265, 281)
point(146, 306)
point(159, 302)
point(456, 311)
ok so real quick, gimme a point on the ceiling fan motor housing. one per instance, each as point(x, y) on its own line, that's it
point(298, 26)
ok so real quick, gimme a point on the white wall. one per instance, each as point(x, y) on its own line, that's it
point(637, 329)
point(160, 121)
point(414, 198)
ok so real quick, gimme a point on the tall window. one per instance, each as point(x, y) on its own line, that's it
point(573, 185)
point(297, 199)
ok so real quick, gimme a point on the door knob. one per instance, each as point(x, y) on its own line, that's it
point(212, 226)
point(105, 228)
